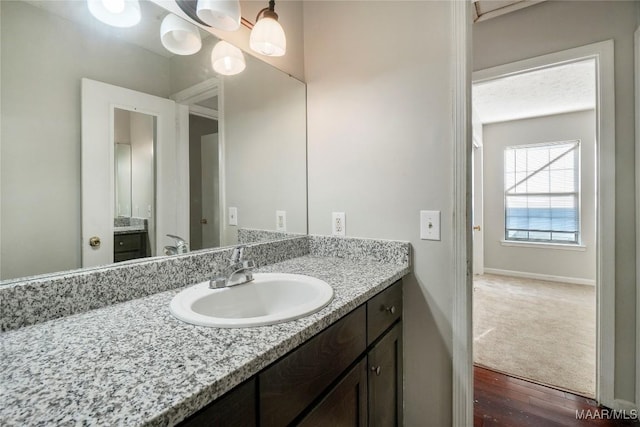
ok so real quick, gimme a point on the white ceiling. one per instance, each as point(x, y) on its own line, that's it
point(553, 90)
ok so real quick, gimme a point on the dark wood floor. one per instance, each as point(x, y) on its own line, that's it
point(501, 400)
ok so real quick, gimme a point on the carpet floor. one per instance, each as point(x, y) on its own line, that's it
point(537, 330)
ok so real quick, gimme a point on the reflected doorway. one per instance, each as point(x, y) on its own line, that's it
point(204, 182)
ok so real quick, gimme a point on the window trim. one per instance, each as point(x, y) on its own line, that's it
point(578, 244)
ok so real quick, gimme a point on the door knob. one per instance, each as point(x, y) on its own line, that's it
point(203, 221)
point(476, 227)
point(376, 369)
point(94, 242)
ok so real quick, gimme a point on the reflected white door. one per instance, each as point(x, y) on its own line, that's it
point(98, 185)
point(210, 191)
point(478, 226)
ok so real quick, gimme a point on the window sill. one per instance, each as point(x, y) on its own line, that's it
point(536, 245)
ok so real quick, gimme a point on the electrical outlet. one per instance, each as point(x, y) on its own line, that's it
point(233, 216)
point(281, 220)
point(430, 225)
point(338, 224)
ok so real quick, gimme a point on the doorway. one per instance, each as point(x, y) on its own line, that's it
point(523, 216)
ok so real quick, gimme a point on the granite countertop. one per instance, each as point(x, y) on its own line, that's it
point(134, 364)
point(129, 229)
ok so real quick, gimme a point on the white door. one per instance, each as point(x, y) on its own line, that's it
point(478, 226)
point(98, 188)
point(210, 191)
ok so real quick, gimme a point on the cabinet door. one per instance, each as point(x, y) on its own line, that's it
point(345, 405)
point(385, 380)
point(237, 408)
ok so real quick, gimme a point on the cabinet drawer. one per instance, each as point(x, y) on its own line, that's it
point(383, 310)
point(295, 381)
point(127, 242)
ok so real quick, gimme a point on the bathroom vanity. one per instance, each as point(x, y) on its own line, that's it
point(348, 374)
point(130, 362)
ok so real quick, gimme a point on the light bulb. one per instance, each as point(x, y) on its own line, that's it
point(114, 6)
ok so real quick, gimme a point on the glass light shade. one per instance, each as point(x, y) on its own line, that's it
point(117, 13)
point(178, 36)
point(227, 59)
point(267, 37)
point(220, 14)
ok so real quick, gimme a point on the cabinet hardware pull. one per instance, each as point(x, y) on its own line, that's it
point(376, 369)
point(391, 309)
point(121, 243)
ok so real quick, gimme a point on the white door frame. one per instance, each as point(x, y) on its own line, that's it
point(477, 200)
point(637, 165)
point(605, 187)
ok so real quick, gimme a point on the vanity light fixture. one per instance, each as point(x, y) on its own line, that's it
point(117, 13)
point(227, 59)
point(267, 36)
point(179, 36)
point(220, 14)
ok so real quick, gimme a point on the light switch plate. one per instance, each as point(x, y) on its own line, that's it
point(338, 224)
point(281, 220)
point(430, 225)
point(233, 216)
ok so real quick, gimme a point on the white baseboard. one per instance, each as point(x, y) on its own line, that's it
point(536, 276)
point(624, 405)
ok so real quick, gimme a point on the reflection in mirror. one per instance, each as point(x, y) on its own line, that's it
point(123, 178)
point(48, 47)
point(134, 224)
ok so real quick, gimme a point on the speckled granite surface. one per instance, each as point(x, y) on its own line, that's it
point(129, 229)
point(392, 251)
point(252, 235)
point(134, 364)
point(50, 297)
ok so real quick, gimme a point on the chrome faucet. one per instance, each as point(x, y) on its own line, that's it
point(238, 271)
point(181, 247)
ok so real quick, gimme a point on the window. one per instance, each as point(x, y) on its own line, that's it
point(541, 196)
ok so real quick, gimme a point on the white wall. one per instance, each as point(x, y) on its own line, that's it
point(40, 152)
point(264, 145)
point(554, 262)
point(554, 26)
point(380, 149)
point(142, 171)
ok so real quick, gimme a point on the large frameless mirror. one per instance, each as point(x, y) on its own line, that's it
point(239, 142)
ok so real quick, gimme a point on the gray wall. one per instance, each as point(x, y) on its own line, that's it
point(198, 126)
point(265, 152)
point(380, 149)
point(554, 26)
point(43, 59)
point(554, 262)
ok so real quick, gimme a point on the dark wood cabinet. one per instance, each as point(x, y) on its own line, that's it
point(291, 384)
point(350, 374)
point(385, 379)
point(236, 408)
point(129, 246)
point(345, 404)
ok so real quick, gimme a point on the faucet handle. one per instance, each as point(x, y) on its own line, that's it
point(238, 253)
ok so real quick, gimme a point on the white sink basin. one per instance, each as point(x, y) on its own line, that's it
point(269, 299)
